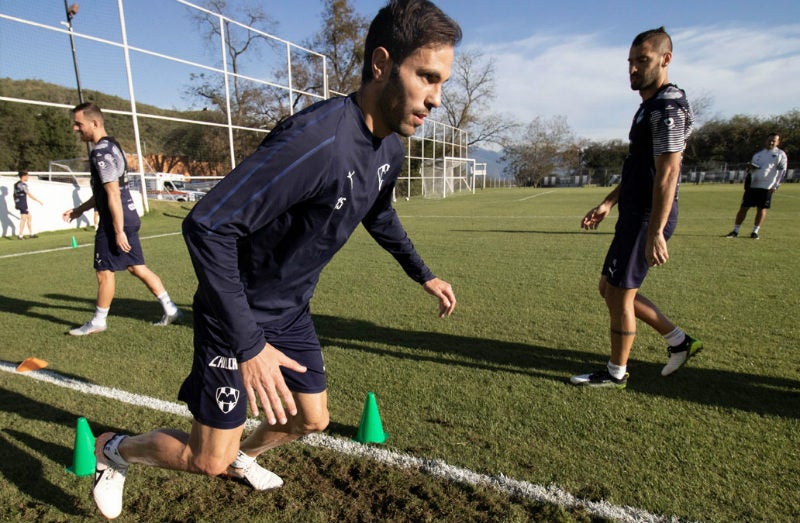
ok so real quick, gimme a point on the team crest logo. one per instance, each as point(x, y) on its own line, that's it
point(227, 398)
point(382, 170)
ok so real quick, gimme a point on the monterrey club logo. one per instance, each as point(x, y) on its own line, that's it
point(227, 398)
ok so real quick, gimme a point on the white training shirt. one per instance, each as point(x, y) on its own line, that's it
point(770, 167)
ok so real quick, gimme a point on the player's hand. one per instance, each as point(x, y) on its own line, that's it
point(264, 384)
point(656, 250)
point(442, 290)
point(594, 217)
point(122, 242)
point(68, 216)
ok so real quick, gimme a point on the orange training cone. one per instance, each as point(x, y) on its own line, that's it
point(83, 460)
point(31, 364)
point(370, 430)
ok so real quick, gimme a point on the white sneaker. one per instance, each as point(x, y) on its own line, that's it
point(87, 328)
point(257, 476)
point(169, 319)
point(109, 480)
point(678, 356)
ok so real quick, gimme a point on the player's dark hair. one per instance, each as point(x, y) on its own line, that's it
point(660, 33)
point(22, 173)
point(403, 26)
point(90, 110)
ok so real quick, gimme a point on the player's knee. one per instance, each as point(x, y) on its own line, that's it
point(315, 423)
point(602, 287)
point(210, 465)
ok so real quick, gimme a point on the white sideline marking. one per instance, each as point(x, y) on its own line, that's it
point(536, 195)
point(78, 247)
point(433, 467)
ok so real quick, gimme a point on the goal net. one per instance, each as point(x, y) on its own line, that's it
point(447, 175)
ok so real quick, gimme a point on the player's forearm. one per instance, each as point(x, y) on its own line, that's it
point(668, 168)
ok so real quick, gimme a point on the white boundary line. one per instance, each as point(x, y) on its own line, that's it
point(433, 467)
point(78, 247)
point(536, 195)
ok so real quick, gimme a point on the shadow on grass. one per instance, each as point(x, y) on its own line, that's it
point(530, 231)
point(747, 392)
point(145, 310)
point(28, 308)
point(20, 467)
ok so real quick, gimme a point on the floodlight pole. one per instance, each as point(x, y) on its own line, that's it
point(71, 12)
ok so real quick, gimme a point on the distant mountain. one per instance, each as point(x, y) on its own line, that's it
point(494, 167)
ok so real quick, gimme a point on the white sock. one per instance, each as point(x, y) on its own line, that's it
point(675, 338)
point(242, 460)
point(169, 307)
point(100, 315)
point(616, 371)
point(736, 228)
point(756, 228)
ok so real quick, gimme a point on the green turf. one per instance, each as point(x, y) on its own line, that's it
point(486, 389)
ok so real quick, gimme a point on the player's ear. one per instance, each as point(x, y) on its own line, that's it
point(381, 64)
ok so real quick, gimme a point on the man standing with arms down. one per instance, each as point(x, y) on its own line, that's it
point(770, 167)
point(260, 239)
point(21, 195)
point(116, 242)
point(647, 198)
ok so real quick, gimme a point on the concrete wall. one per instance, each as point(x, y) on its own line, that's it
point(57, 197)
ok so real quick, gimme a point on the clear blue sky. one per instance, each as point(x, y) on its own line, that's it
point(556, 58)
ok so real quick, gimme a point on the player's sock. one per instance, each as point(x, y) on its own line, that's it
point(100, 315)
point(736, 228)
point(616, 371)
point(169, 307)
point(756, 228)
point(111, 450)
point(675, 338)
point(242, 460)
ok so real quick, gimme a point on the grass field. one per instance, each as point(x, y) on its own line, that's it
point(485, 390)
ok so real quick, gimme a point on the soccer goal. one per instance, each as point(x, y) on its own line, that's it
point(447, 175)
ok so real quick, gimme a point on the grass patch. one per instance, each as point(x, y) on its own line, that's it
point(485, 389)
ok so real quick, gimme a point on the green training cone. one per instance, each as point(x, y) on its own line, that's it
point(83, 460)
point(370, 430)
point(74, 243)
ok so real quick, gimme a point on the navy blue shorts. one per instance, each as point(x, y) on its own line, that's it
point(108, 257)
point(23, 210)
point(761, 198)
point(626, 265)
point(214, 390)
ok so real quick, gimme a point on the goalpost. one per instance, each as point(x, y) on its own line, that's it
point(448, 175)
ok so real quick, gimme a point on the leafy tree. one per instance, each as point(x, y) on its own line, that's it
point(341, 39)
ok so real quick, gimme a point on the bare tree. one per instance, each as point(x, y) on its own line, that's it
point(467, 96)
point(251, 104)
point(543, 148)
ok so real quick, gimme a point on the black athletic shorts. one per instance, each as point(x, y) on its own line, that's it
point(761, 198)
point(214, 390)
point(108, 257)
point(626, 264)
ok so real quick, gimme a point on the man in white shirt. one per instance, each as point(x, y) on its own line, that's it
point(769, 166)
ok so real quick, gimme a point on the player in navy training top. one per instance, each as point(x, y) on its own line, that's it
point(647, 199)
point(21, 195)
point(259, 240)
point(116, 242)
